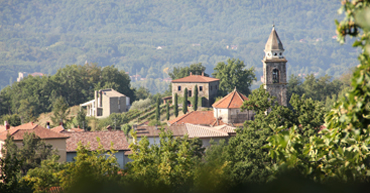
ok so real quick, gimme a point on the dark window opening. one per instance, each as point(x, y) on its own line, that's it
point(179, 88)
point(189, 93)
point(275, 54)
point(201, 88)
point(275, 76)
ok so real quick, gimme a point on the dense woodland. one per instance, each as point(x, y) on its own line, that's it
point(48, 35)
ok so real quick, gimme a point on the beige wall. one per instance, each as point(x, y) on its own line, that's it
point(59, 144)
point(233, 115)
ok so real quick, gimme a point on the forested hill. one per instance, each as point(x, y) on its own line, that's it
point(42, 36)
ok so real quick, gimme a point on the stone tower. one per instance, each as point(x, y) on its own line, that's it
point(274, 68)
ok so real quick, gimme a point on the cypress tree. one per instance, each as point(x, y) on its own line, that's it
point(168, 111)
point(157, 111)
point(185, 102)
point(195, 102)
point(176, 106)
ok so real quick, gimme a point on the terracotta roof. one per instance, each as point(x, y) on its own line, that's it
point(204, 132)
point(19, 131)
point(152, 131)
point(196, 78)
point(118, 139)
point(197, 118)
point(233, 100)
point(273, 43)
point(226, 128)
point(61, 129)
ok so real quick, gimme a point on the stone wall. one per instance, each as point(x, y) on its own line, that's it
point(205, 91)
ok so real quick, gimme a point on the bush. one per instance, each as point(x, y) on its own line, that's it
point(141, 104)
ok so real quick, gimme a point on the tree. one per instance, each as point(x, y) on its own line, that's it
point(90, 170)
point(42, 178)
point(142, 93)
point(13, 120)
point(158, 111)
point(171, 162)
point(60, 112)
point(167, 111)
point(195, 100)
point(233, 75)
point(185, 102)
point(10, 165)
point(176, 106)
point(181, 72)
point(81, 119)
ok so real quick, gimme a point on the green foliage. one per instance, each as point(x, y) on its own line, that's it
point(141, 104)
point(82, 122)
point(42, 178)
point(181, 72)
point(142, 93)
point(195, 98)
point(115, 120)
point(10, 165)
point(167, 111)
point(13, 120)
point(60, 112)
point(157, 110)
point(171, 162)
point(90, 168)
point(340, 151)
point(126, 128)
point(185, 101)
point(233, 75)
point(176, 106)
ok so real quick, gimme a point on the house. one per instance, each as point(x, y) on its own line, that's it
point(225, 111)
point(57, 140)
point(21, 75)
point(106, 102)
point(207, 88)
point(107, 138)
point(228, 109)
point(204, 133)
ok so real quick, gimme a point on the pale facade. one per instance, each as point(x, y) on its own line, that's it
point(106, 102)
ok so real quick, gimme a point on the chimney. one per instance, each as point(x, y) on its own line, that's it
point(48, 125)
point(191, 73)
point(202, 73)
point(7, 126)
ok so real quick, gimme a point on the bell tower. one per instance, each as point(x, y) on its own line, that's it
point(274, 68)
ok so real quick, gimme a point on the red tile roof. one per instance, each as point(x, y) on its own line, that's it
point(19, 131)
point(233, 100)
point(118, 139)
point(196, 78)
point(61, 129)
point(197, 118)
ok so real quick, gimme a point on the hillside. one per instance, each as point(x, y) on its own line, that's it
point(43, 36)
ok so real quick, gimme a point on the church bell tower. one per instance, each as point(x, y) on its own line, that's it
point(274, 69)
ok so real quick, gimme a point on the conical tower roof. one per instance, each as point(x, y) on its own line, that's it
point(273, 43)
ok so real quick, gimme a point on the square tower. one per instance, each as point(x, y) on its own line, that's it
point(274, 69)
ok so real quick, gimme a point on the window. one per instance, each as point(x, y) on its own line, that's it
point(200, 88)
point(179, 88)
point(275, 54)
point(211, 87)
point(275, 76)
point(189, 93)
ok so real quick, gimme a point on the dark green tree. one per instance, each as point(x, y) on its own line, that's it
point(142, 93)
point(13, 120)
point(82, 122)
point(10, 165)
point(234, 75)
point(157, 110)
point(167, 111)
point(60, 112)
point(180, 72)
point(195, 100)
point(176, 106)
point(185, 102)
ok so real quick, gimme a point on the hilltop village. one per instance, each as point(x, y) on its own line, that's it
point(219, 122)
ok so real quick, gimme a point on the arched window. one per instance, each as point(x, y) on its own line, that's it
point(275, 76)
